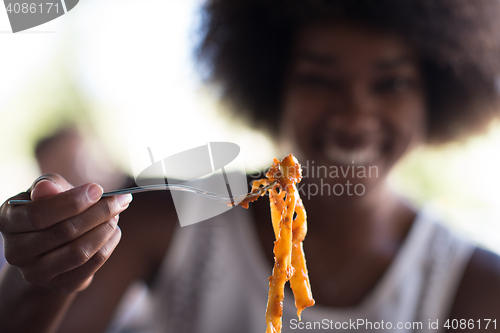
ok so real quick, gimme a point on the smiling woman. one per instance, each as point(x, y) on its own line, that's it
point(359, 84)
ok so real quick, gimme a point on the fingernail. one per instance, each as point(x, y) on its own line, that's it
point(124, 199)
point(44, 179)
point(39, 181)
point(94, 192)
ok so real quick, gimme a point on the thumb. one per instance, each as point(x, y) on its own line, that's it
point(45, 188)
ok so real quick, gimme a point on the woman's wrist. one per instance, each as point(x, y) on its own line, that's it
point(24, 305)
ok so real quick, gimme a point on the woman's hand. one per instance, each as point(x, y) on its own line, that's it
point(64, 235)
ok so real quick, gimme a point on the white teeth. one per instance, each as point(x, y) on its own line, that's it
point(364, 155)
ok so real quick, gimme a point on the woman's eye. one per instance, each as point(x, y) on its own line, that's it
point(396, 84)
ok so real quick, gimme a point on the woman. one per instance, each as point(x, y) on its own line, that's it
point(344, 84)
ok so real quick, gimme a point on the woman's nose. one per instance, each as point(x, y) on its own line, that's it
point(355, 111)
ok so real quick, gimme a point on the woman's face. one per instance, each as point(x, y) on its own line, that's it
point(353, 97)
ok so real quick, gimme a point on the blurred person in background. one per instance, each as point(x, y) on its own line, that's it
point(343, 83)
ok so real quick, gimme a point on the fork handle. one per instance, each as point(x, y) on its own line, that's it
point(147, 188)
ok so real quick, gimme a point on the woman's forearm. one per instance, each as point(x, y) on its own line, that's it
point(25, 307)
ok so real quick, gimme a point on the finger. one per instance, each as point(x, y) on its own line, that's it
point(45, 188)
point(74, 254)
point(80, 277)
point(41, 187)
point(56, 179)
point(45, 212)
point(39, 242)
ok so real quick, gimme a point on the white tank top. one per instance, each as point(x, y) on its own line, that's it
point(214, 279)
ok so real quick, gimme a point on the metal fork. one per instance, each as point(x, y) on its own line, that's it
point(176, 187)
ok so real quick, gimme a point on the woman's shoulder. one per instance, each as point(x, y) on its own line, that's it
point(478, 295)
point(463, 278)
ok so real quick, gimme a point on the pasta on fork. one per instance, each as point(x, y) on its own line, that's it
point(289, 259)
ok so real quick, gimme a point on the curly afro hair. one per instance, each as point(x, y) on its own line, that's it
point(246, 46)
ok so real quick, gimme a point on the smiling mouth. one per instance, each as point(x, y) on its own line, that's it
point(360, 155)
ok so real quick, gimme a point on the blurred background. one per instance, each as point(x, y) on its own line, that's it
point(111, 78)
